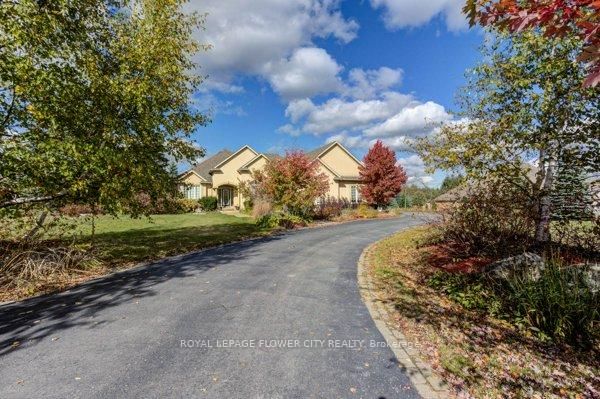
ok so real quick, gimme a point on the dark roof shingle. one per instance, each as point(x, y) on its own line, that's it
point(316, 152)
point(204, 167)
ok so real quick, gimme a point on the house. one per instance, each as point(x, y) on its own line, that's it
point(222, 174)
point(450, 198)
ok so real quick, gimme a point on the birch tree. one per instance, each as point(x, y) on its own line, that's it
point(524, 109)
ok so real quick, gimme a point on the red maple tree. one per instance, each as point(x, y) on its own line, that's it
point(556, 17)
point(382, 179)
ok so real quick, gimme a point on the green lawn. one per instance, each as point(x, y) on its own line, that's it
point(122, 240)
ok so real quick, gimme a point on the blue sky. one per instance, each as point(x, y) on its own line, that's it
point(286, 74)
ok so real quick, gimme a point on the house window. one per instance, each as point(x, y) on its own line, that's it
point(192, 192)
point(354, 194)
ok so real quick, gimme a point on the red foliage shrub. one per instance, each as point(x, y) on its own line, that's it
point(330, 207)
point(292, 182)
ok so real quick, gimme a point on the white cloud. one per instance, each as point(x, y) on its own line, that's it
point(338, 114)
point(209, 104)
point(248, 35)
point(290, 129)
point(309, 71)
point(212, 85)
point(350, 141)
point(401, 143)
point(298, 109)
point(415, 170)
point(412, 13)
point(368, 83)
point(414, 120)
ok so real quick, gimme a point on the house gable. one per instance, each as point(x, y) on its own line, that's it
point(243, 152)
point(227, 172)
point(340, 160)
point(192, 177)
point(257, 162)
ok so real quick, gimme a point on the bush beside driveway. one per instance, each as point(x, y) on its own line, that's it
point(478, 354)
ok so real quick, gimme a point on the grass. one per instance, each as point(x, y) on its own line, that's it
point(479, 355)
point(118, 243)
point(122, 240)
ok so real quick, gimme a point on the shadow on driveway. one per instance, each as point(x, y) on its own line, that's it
point(34, 319)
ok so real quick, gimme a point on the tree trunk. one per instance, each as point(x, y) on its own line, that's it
point(542, 228)
point(39, 223)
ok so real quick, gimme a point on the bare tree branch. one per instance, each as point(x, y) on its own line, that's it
point(31, 200)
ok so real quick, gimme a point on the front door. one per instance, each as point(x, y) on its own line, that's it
point(225, 197)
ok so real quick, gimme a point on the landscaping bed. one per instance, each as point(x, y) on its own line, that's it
point(479, 355)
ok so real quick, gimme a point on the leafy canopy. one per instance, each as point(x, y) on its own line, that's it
point(94, 100)
point(557, 18)
point(382, 179)
point(292, 182)
point(523, 103)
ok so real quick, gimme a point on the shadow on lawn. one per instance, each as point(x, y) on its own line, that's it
point(37, 318)
point(154, 242)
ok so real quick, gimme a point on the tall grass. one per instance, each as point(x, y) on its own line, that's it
point(560, 304)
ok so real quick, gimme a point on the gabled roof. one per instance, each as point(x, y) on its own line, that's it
point(318, 151)
point(250, 162)
point(465, 189)
point(271, 156)
point(323, 149)
point(454, 194)
point(329, 168)
point(203, 168)
point(223, 162)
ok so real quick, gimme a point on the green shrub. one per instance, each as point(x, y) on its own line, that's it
point(267, 221)
point(291, 221)
point(286, 221)
point(364, 211)
point(560, 304)
point(187, 205)
point(208, 204)
point(469, 290)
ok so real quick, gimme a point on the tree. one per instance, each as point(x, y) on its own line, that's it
point(523, 103)
point(558, 18)
point(382, 179)
point(413, 195)
point(292, 182)
point(571, 196)
point(451, 181)
point(94, 100)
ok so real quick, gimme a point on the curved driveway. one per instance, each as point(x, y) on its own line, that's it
point(121, 336)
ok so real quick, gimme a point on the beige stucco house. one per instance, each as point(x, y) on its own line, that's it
point(221, 174)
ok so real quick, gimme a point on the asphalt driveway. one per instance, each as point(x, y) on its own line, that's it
point(277, 317)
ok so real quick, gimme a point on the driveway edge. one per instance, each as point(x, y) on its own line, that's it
point(427, 384)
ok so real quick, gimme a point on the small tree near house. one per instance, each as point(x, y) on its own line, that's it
point(292, 183)
point(382, 178)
